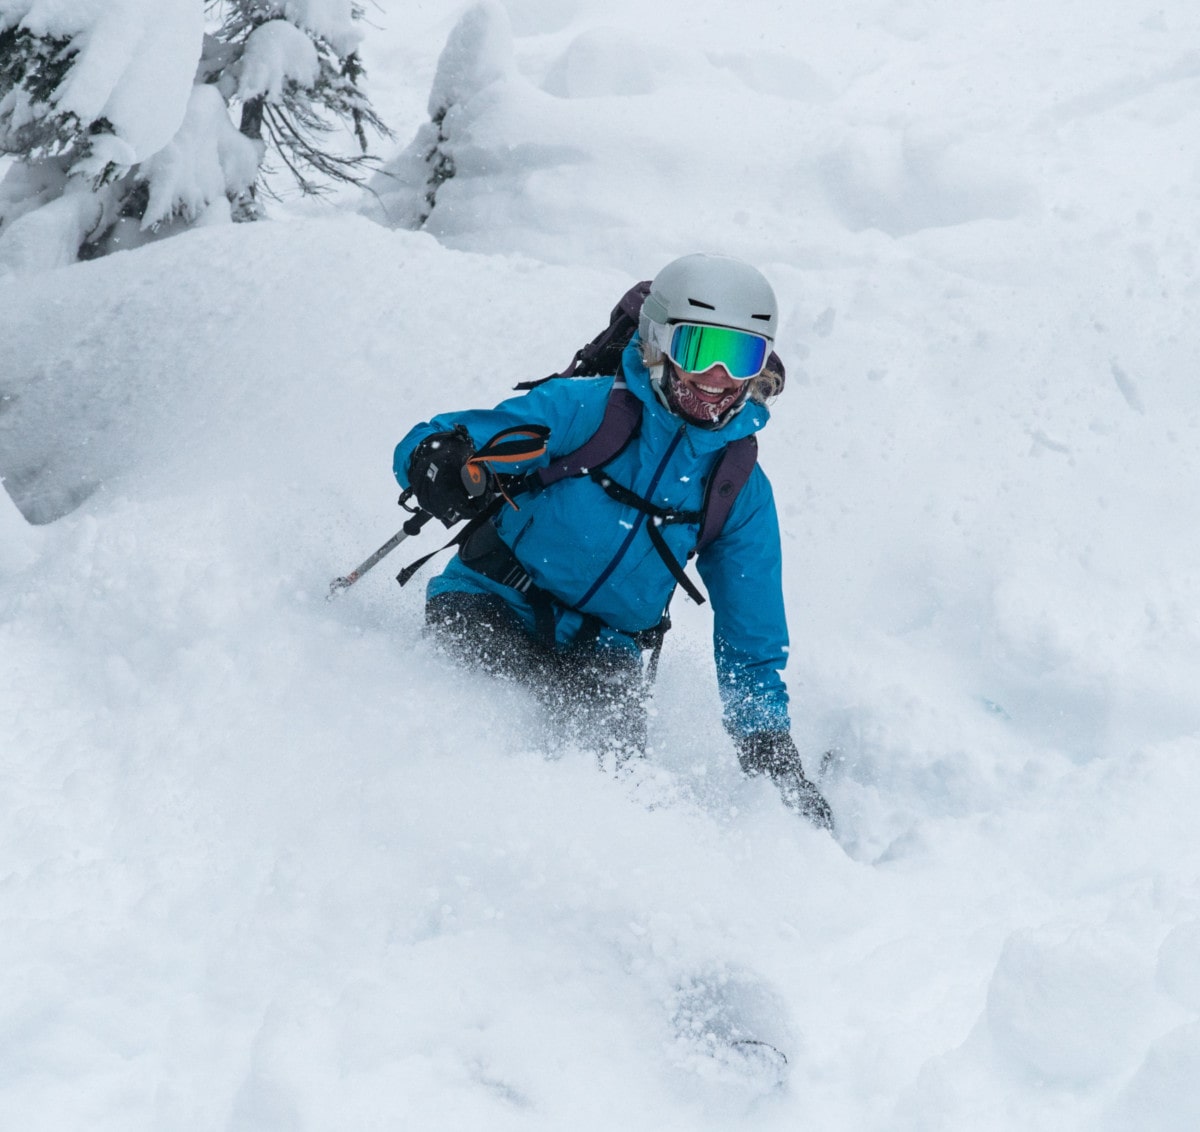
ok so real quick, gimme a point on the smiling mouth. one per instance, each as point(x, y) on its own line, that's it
point(710, 393)
point(702, 401)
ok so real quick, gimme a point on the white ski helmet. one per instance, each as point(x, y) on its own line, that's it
point(716, 290)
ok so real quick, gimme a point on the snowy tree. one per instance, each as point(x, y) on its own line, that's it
point(119, 112)
point(293, 65)
point(88, 90)
point(477, 59)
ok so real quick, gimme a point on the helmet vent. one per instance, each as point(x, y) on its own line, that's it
point(703, 305)
point(764, 317)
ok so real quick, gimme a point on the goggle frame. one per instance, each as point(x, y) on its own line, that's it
point(697, 347)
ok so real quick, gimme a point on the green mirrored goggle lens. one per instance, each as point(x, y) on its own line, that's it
point(696, 348)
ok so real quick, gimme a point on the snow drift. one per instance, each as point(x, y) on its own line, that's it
point(268, 862)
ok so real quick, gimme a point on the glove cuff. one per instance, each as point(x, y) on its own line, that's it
point(769, 752)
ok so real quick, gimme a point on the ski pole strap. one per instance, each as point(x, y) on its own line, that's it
point(461, 535)
point(509, 446)
point(512, 445)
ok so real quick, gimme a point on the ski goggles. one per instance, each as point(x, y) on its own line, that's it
point(695, 347)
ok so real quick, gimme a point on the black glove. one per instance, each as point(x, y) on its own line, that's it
point(774, 753)
point(441, 480)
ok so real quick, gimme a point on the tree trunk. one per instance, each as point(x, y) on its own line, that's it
point(252, 118)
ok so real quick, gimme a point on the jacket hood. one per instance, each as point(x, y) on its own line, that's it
point(750, 418)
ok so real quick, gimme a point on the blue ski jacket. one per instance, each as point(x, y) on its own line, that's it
point(594, 555)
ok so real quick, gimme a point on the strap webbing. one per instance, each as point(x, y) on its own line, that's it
point(620, 424)
point(656, 519)
point(461, 535)
point(731, 474)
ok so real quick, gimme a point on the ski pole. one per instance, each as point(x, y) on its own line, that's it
point(410, 528)
point(510, 445)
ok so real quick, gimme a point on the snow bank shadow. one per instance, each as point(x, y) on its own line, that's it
point(47, 492)
point(47, 463)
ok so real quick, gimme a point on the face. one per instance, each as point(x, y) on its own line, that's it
point(707, 396)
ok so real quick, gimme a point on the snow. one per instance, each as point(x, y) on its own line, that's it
point(331, 20)
point(276, 52)
point(135, 64)
point(476, 61)
point(48, 236)
point(268, 862)
point(478, 53)
point(207, 160)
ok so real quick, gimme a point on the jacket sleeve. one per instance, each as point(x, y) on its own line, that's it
point(571, 413)
point(743, 572)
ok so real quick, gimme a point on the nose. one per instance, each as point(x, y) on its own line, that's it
point(718, 375)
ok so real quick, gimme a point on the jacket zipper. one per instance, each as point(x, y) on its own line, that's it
point(607, 572)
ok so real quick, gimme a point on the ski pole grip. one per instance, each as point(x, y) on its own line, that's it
point(412, 526)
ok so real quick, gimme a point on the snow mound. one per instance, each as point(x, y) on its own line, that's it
point(270, 861)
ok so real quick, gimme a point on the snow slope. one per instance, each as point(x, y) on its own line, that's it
point(266, 862)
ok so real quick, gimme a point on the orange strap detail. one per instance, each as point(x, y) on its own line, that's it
point(509, 446)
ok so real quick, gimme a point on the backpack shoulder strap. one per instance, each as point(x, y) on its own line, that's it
point(622, 418)
point(620, 424)
point(728, 478)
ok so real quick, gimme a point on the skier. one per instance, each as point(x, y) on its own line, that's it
point(563, 583)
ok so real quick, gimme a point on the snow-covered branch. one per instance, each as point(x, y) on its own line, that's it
point(130, 103)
